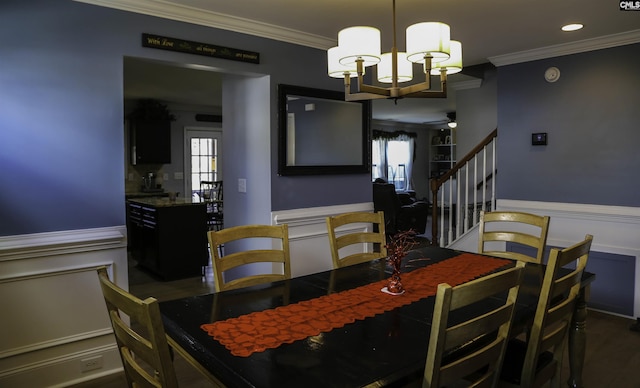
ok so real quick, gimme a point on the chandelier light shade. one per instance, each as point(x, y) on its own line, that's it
point(360, 42)
point(385, 68)
point(453, 64)
point(428, 39)
point(427, 43)
point(337, 69)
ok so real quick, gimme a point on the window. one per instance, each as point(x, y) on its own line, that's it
point(392, 158)
point(202, 158)
point(203, 162)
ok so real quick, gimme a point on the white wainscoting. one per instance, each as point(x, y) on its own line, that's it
point(615, 229)
point(308, 236)
point(53, 313)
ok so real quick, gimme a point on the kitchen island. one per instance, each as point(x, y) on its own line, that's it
point(168, 238)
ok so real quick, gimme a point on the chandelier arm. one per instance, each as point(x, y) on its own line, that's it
point(363, 96)
point(410, 89)
point(384, 92)
point(364, 88)
point(428, 94)
point(416, 91)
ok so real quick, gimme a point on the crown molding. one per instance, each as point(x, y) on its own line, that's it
point(167, 10)
point(201, 17)
point(603, 42)
point(462, 85)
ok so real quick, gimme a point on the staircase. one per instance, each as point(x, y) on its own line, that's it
point(461, 193)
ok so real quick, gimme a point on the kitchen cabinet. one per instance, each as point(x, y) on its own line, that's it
point(150, 141)
point(167, 238)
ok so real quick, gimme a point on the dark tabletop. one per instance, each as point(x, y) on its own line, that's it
point(383, 350)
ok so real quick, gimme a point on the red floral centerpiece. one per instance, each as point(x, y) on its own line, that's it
point(401, 243)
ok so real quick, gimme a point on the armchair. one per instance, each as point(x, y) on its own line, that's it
point(401, 212)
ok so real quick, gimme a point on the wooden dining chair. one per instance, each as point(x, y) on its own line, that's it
point(471, 350)
point(144, 350)
point(277, 255)
point(539, 359)
point(356, 237)
point(521, 230)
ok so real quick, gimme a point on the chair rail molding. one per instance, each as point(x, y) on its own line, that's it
point(61, 242)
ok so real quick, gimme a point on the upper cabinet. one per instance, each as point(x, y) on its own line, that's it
point(150, 141)
point(150, 131)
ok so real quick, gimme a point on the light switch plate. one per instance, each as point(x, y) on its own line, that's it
point(242, 185)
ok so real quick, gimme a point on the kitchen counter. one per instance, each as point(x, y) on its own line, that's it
point(166, 202)
point(145, 194)
point(168, 238)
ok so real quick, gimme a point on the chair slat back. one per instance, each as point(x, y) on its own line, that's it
point(144, 350)
point(484, 335)
point(356, 232)
point(520, 228)
point(554, 311)
point(279, 253)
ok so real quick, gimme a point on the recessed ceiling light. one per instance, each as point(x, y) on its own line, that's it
point(572, 27)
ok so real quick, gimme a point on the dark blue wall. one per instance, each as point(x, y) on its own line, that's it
point(61, 111)
point(591, 115)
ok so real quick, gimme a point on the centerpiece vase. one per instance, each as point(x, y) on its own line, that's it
point(395, 283)
point(398, 248)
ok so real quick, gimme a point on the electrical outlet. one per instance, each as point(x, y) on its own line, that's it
point(91, 363)
point(242, 185)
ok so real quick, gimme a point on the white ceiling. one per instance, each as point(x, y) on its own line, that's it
point(496, 31)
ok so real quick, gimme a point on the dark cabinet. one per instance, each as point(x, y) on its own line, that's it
point(169, 241)
point(150, 141)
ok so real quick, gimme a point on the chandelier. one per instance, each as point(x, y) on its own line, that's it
point(427, 43)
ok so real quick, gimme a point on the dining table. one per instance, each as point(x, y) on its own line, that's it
point(339, 328)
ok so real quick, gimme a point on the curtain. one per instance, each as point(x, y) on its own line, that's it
point(380, 158)
point(394, 150)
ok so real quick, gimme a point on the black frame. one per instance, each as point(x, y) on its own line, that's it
point(284, 169)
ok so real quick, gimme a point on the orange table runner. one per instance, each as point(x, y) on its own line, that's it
point(258, 331)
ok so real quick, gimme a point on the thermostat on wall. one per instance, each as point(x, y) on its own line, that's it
point(539, 138)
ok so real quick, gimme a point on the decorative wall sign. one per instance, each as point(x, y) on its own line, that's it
point(190, 47)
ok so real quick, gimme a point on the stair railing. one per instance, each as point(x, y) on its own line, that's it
point(451, 219)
